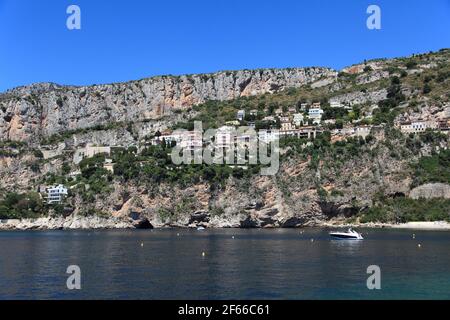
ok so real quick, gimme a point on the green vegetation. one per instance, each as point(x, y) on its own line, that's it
point(95, 180)
point(387, 111)
point(435, 168)
point(154, 165)
point(401, 210)
point(20, 206)
point(321, 148)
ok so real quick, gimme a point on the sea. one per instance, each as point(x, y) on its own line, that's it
point(233, 264)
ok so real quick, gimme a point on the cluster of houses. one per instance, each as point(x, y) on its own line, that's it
point(303, 121)
point(421, 125)
point(293, 118)
point(292, 124)
point(289, 119)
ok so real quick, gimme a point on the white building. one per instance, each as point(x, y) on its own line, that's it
point(224, 137)
point(298, 119)
point(240, 115)
point(287, 125)
point(362, 131)
point(192, 140)
point(417, 126)
point(335, 104)
point(168, 137)
point(315, 114)
point(269, 119)
point(304, 132)
point(268, 136)
point(56, 194)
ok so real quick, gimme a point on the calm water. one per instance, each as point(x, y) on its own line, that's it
point(256, 264)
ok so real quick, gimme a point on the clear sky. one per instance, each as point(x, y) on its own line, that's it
point(133, 39)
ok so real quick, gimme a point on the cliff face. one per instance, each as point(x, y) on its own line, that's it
point(28, 113)
point(321, 181)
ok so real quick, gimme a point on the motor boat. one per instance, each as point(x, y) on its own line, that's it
point(200, 228)
point(349, 235)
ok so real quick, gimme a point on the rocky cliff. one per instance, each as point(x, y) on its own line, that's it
point(36, 111)
point(325, 179)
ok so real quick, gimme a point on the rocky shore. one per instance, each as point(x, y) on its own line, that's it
point(100, 223)
point(68, 223)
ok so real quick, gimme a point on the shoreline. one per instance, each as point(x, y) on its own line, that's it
point(101, 223)
point(416, 225)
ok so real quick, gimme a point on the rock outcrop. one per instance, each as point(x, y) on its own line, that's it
point(430, 191)
point(68, 223)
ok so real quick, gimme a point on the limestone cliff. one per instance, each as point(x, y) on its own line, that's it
point(335, 178)
point(28, 113)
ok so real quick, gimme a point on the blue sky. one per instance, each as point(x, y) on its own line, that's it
point(133, 39)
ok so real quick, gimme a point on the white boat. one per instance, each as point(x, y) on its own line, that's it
point(200, 228)
point(349, 235)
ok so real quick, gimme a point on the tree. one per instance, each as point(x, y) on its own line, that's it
point(426, 88)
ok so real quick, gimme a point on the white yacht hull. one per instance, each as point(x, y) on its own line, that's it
point(351, 235)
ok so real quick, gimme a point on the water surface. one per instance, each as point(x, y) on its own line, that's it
point(256, 264)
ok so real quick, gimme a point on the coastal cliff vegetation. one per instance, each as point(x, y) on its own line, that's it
point(334, 176)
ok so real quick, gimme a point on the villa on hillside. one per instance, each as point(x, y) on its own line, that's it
point(417, 126)
point(224, 138)
point(240, 115)
point(304, 132)
point(56, 194)
point(315, 114)
point(192, 140)
point(286, 124)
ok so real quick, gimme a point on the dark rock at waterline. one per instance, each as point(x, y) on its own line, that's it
point(142, 224)
point(199, 216)
point(293, 222)
point(249, 223)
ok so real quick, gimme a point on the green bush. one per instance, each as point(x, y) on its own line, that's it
point(435, 168)
point(401, 210)
point(19, 206)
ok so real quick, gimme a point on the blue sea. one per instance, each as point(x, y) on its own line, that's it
point(224, 264)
